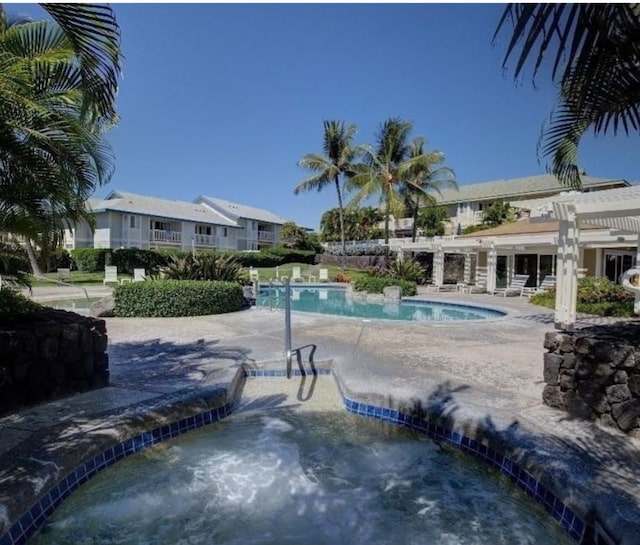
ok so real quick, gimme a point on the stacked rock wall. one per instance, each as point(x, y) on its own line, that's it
point(51, 354)
point(595, 373)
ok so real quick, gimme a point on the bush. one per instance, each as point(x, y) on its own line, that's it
point(376, 284)
point(290, 255)
point(205, 266)
point(58, 258)
point(172, 298)
point(597, 296)
point(12, 304)
point(91, 259)
point(127, 259)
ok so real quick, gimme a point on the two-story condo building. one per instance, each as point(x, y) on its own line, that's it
point(128, 220)
point(467, 203)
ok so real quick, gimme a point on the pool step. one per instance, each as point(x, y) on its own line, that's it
point(308, 393)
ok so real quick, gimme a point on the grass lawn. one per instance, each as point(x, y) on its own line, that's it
point(77, 277)
point(95, 278)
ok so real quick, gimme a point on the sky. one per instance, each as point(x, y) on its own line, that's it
point(224, 99)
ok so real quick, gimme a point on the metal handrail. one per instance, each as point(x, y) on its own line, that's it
point(289, 350)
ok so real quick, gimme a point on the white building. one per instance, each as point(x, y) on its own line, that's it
point(128, 220)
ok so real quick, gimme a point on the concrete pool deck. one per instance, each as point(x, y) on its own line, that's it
point(477, 375)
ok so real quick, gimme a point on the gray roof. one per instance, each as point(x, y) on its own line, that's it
point(519, 187)
point(131, 203)
point(235, 210)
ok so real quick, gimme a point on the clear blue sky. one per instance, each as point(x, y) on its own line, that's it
point(223, 99)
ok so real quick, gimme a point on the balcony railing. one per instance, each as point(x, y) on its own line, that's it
point(265, 235)
point(166, 236)
point(206, 240)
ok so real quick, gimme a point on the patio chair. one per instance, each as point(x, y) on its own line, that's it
point(323, 275)
point(64, 274)
point(548, 282)
point(296, 275)
point(110, 275)
point(517, 286)
point(139, 275)
point(254, 275)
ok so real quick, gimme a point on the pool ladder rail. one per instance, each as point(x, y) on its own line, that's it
point(289, 350)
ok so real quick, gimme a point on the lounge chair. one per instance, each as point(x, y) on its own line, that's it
point(548, 282)
point(110, 275)
point(323, 275)
point(254, 275)
point(296, 275)
point(139, 275)
point(64, 274)
point(517, 286)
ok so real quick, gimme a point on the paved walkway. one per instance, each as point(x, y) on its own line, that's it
point(478, 374)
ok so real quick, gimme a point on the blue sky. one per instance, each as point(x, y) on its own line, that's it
point(224, 99)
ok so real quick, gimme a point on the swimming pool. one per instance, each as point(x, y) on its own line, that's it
point(78, 303)
point(319, 478)
point(325, 300)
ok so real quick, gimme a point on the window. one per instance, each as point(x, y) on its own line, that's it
point(203, 229)
point(615, 263)
point(222, 231)
point(160, 225)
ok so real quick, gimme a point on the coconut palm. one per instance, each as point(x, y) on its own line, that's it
point(425, 178)
point(332, 167)
point(594, 53)
point(380, 173)
point(52, 119)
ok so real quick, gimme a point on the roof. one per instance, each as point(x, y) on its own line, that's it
point(524, 227)
point(519, 187)
point(235, 210)
point(131, 203)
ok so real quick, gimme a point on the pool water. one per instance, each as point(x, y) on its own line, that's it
point(334, 301)
point(79, 303)
point(288, 478)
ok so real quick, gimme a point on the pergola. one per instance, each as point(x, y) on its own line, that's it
point(617, 209)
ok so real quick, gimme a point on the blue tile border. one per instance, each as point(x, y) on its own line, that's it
point(33, 519)
point(571, 523)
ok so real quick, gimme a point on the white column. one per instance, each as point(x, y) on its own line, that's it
point(492, 261)
point(400, 254)
point(438, 267)
point(567, 270)
point(467, 268)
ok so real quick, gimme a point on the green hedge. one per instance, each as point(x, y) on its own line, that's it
point(376, 284)
point(127, 259)
point(91, 259)
point(172, 298)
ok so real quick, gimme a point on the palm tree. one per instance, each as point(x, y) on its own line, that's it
point(334, 165)
point(52, 119)
point(425, 178)
point(595, 59)
point(380, 171)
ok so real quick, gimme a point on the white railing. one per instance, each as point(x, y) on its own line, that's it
point(158, 235)
point(265, 235)
point(205, 240)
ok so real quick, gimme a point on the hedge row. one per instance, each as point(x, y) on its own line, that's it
point(171, 298)
point(376, 284)
point(127, 259)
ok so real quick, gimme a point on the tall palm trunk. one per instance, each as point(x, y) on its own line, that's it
point(341, 215)
point(387, 213)
point(33, 261)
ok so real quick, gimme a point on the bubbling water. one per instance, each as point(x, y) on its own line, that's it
point(314, 478)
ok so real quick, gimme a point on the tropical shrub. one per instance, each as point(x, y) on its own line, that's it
point(58, 258)
point(173, 298)
point(205, 266)
point(290, 255)
point(343, 278)
point(598, 296)
point(376, 284)
point(13, 303)
point(406, 269)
